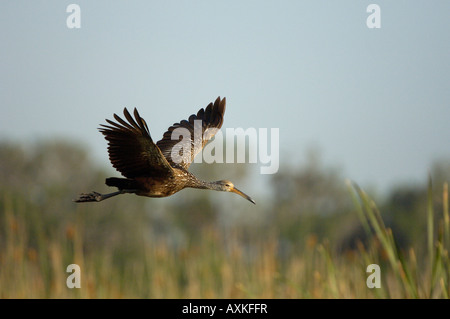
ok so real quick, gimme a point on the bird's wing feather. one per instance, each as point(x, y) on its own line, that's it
point(131, 148)
point(192, 134)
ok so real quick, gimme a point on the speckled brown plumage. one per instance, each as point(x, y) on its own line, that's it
point(149, 169)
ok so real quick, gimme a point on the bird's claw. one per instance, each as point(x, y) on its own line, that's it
point(89, 197)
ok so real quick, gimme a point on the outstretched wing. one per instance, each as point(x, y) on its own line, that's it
point(131, 148)
point(184, 140)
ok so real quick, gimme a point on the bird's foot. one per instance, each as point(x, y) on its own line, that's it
point(89, 197)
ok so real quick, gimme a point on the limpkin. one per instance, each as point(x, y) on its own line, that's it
point(150, 169)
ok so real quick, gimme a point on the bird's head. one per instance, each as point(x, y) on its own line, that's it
point(227, 186)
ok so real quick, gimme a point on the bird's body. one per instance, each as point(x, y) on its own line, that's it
point(158, 186)
point(159, 170)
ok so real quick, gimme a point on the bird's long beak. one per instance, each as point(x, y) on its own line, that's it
point(237, 191)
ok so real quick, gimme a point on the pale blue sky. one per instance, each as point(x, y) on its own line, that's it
point(374, 101)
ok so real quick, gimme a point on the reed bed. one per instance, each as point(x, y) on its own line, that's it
point(221, 264)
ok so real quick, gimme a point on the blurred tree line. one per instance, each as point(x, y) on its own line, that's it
point(305, 203)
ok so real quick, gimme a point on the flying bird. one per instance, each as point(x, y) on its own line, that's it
point(161, 169)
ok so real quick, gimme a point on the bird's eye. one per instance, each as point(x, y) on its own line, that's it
point(227, 185)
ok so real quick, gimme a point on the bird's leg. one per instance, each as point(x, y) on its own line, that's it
point(97, 197)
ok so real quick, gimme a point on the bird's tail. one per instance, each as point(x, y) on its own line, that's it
point(122, 183)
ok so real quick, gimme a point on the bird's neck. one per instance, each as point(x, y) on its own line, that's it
point(200, 184)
